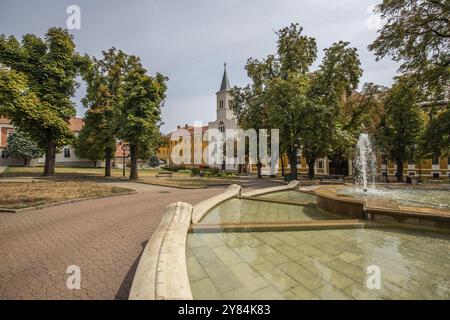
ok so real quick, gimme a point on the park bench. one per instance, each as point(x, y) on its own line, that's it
point(164, 173)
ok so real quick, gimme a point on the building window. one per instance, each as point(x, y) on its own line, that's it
point(221, 104)
point(436, 175)
point(435, 161)
point(66, 153)
point(411, 162)
point(411, 173)
point(230, 104)
point(5, 154)
point(320, 164)
point(221, 127)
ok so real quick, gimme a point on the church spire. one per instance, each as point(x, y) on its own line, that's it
point(225, 86)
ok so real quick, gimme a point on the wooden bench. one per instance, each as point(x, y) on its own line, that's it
point(164, 173)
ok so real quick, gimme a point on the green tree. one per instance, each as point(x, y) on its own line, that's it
point(47, 69)
point(417, 34)
point(20, 145)
point(400, 129)
point(139, 116)
point(104, 79)
point(153, 161)
point(331, 86)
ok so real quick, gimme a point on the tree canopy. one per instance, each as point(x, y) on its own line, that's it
point(46, 70)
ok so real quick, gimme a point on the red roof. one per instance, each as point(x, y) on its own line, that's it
point(4, 121)
point(76, 124)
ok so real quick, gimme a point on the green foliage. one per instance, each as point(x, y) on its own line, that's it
point(417, 34)
point(436, 138)
point(20, 145)
point(45, 70)
point(153, 161)
point(139, 112)
point(96, 140)
point(401, 127)
point(304, 106)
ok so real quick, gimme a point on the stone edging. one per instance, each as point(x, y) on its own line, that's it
point(162, 271)
point(203, 207)
point(291, 186)
point(52, 204)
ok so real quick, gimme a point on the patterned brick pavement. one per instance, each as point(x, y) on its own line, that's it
point(103, 237)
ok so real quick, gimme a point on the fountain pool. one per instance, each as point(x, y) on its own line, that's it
point(403, 196)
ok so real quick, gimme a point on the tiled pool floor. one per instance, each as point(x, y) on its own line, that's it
point(244, 210)
point(325, 264)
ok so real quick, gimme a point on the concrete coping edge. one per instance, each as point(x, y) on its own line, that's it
point(162, 270)
point(291, 186)
point(200, 209)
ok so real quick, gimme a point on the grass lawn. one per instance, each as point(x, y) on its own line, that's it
point(16, 195)
point(148, 176)
point(190, 182)
point(69, 172)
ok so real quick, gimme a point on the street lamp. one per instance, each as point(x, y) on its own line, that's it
point(124, 150)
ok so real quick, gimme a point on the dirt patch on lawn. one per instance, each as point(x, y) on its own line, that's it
point(16, 195)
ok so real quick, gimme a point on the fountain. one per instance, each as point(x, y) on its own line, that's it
point(365, 163)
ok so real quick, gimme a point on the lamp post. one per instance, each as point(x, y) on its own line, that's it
point(124, 150)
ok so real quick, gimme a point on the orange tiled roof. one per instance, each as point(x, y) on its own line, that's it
point(4, 121)
point(76, 124)
point(180, 132)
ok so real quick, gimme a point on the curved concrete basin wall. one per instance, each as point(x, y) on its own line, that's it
point(291, 186)
point(328, 200)
point(162, 272)
point(203, 207)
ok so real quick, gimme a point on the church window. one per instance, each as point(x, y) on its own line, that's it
point(221, 127)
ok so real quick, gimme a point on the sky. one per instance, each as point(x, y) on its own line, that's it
point(190, 40)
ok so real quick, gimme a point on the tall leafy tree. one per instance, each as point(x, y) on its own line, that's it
point(400, 129)
point(47, 69)
point(417, 34)
point(20, 145)
point(139, 116)
point(104, 79)
point(332, 85)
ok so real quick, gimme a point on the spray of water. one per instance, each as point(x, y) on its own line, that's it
point(365, 163)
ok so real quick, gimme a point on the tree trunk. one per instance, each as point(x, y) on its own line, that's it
point(282, 165)
point(311, 161)
point(259, 166)
point(399, 170)
point(108, 154)
point(50, 154)
point(133, 158)
point(293, 163)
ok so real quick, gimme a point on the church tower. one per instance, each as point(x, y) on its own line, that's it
point(224, 99)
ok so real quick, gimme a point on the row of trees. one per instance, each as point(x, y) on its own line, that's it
point(38, 81)
point(320, 111)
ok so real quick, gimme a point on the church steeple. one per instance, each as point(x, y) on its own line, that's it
point(225, 85)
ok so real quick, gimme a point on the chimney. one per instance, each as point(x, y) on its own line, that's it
point(186, 126)
point(178, 127)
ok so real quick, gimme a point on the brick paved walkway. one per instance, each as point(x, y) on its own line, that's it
point(103, 237)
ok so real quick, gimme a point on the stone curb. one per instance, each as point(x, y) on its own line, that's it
point(162, 271)
point(203, 207)
point(64, 202)
point(291, 186)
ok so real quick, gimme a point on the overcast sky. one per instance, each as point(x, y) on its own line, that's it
point(190, 40)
